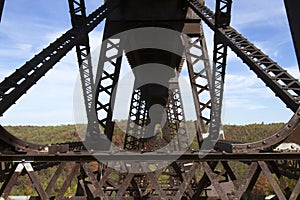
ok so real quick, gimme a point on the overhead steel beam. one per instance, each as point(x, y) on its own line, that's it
point(292, 11)
point(284, 85)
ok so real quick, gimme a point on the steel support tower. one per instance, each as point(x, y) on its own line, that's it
point(154, 164)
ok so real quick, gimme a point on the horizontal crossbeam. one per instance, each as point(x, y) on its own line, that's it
point(157, 156)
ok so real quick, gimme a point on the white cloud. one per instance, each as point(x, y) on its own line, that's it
point(294, 71)
point(258, 13)
point(264, 23)
point(50, 101)
point(243, 91)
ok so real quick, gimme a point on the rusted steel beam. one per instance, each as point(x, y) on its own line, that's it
point(79, 23)
point(55, 177)
point(248, 181)
point(35, 181)
point(85, 156)
point(222, 20)
point(266, 69)
point(214, 182)
point(10, 181)
point(296, 192)
point(18, 83)
point(106, 82)
point(272, 181)
point(75, 171)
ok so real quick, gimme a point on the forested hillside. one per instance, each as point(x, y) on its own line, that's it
point(68, 133)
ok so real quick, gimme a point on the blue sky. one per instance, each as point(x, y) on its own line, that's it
point(28, 26)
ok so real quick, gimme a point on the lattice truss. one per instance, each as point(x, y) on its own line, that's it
point(226, 173)
point(178, 180)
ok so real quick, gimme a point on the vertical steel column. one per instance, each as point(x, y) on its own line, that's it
point(107, 77)
point(200, 78)
point(79, 21)
point(285, 86)
point(175, 123)
point(222, 20)
point(171, 125)
point(136, 124)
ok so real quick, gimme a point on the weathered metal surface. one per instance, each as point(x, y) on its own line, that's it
point(79, 19)
point(222, 20)
point(85, 156)
point(106, 80)
point(200, 79)
point(136, 125)
point(152, 184)
point(16, 85)
point(181, 179)
point(265, 68)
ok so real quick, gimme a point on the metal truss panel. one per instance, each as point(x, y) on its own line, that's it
point(136, 124)
point(200, 78)
point(174, 181)
point(109, 67)
point(78, 18)
point(175, 132)
point(16, 85)
point(222, 20)
point(179, 180)
point(285, 86)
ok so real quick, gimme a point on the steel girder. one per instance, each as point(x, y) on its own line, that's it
point(109, 67)
point(16, 85)
point(200, 75)
point(174, 127)
point(284, 85)
point(174, 132)
point(79, 19)
point(222, 20)
point(148, 184)
point(174, 181)
point(136, 125)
